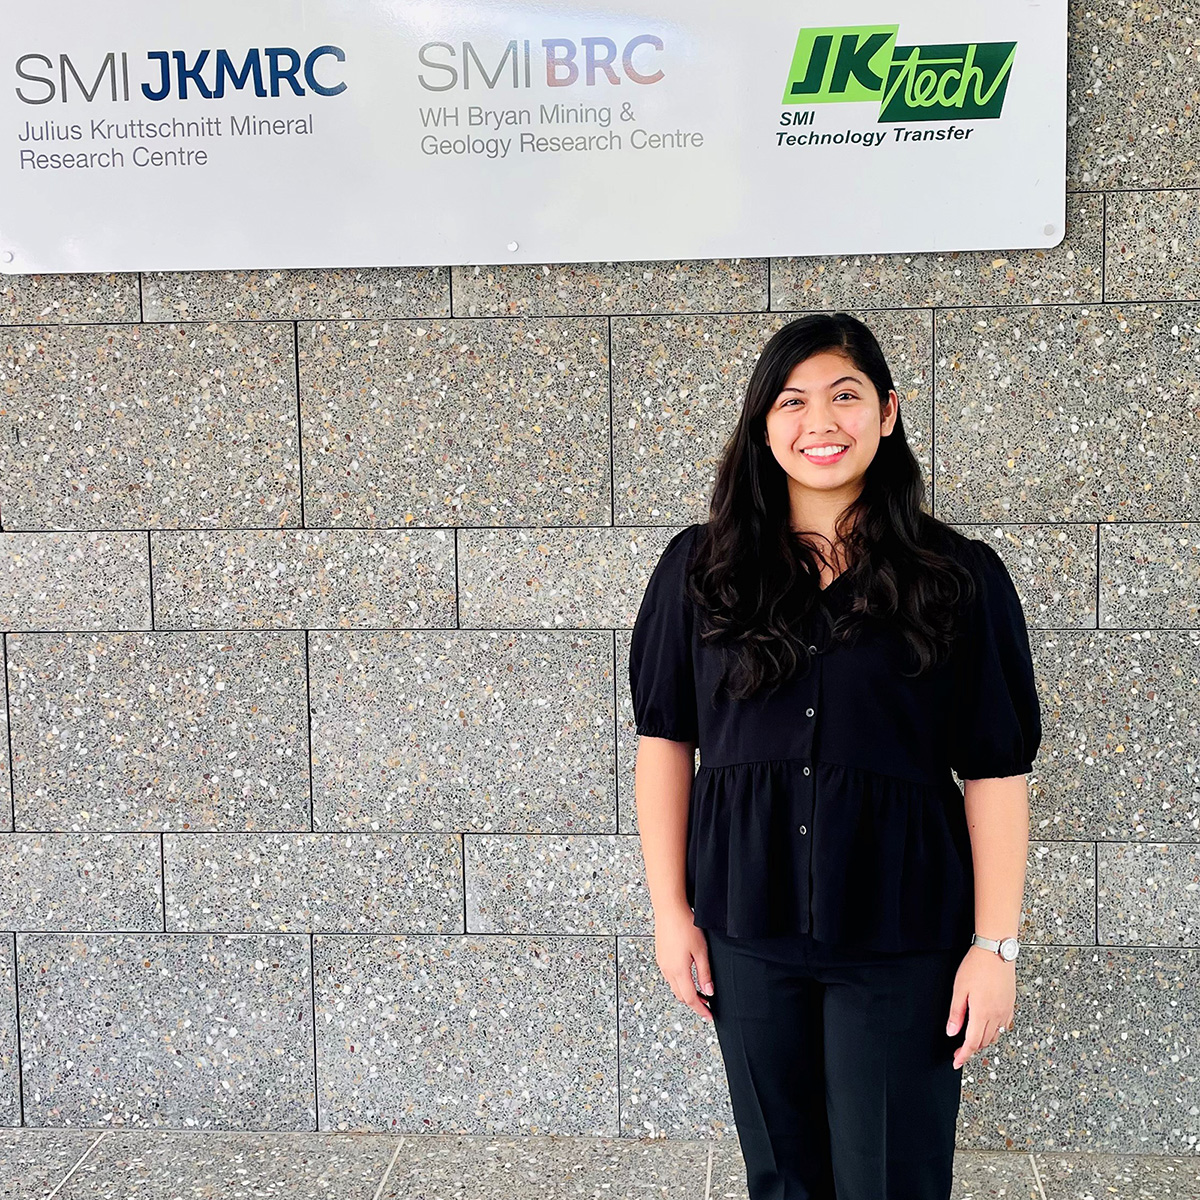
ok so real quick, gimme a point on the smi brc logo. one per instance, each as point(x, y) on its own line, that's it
point(912, 83)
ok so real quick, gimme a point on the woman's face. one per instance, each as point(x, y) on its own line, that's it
point(827, 401)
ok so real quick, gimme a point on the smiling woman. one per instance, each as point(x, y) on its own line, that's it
point(837, 655)
point(824, 429)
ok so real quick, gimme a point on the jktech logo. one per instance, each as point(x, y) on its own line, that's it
point(912, 83)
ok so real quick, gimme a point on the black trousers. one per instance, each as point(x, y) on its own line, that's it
point(840, 1071)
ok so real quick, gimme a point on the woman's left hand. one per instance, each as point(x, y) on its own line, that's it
point(985, 985)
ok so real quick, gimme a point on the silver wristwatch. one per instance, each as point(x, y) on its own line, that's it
point(1008, 948)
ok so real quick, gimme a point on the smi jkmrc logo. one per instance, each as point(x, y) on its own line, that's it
point(911, 83)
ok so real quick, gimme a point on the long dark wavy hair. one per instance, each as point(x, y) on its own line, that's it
point(753, 579)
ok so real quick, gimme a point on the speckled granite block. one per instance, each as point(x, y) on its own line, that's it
point(1133, 95)
point(466, 1034)
point(1120, 730)
point(166, 1029)
point(473, 422)
point(173, 1164)
point(503, 731)
point(69, 298)
point(301, 882)
point(10, 1103)
point(627, 737)
point(303, 579)
point(298, 293)
point(549, 884)
point(609, 288)
point(6, 806)
point(1053, 568)
point(1059, 901)
point(139, 731)
point(1150, 575)
point(1058, 413)
point(1149, 894)
point(673, 1081)
point(556, 578)
point(137, 426)
point(995, 1175)
point(1139, 1176)
point(1099, 1056)
point(74, 581)
point(33, 1162)
point(678, 387)
point(1153, 246)
point(623, 1168)
point(545, 1166)
point(1067, 273)
point(80, 882)
point(727, 1171)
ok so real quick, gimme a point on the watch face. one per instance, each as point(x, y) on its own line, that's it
point(1008, 949)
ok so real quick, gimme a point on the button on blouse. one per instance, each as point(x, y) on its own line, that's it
point(829, 807)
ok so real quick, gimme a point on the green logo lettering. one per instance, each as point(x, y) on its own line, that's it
point(910, 83)
point(856, 72)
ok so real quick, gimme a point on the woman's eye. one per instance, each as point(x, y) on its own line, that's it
point(789, 399)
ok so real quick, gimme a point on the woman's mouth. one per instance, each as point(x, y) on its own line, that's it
point(827, 455)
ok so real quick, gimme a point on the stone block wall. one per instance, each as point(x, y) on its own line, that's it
point(316, 587)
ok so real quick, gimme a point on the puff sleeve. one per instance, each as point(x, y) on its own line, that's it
point(996, 726)
point(661, 677)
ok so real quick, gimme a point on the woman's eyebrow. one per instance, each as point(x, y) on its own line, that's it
point(841, 379)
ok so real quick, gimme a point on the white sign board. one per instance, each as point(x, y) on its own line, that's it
point(142, 135)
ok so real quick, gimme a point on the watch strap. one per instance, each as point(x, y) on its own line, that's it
point(993, 944)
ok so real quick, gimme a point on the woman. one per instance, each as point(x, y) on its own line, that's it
point(835, 653)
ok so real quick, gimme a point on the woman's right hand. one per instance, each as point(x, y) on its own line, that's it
point(678, 942)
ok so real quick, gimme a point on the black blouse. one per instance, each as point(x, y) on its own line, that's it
point(829, 808)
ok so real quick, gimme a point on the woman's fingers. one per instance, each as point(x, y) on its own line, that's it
point(972, 1041)
point(958, 1009)
point(686, 989)
point(981, 1032)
